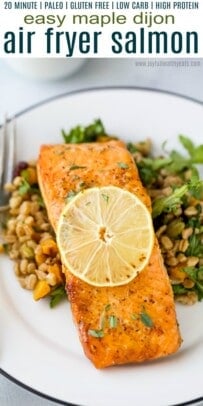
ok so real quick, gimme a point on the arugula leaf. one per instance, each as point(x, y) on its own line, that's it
point(195, 153)
point(167, 203)
point(200, 274)
point(149, 168)
point(170, 202)
point(146, 174)
point(191, 271)
point(187, 144)
point(131, 147)
point(57, 295)
point(178, 162)
point(156, 163)
point(195, 246)
point(193, 274)
point(81, 134)
point(179, 289)
point(24, 188)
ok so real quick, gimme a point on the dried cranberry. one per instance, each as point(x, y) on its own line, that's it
point(19, 167)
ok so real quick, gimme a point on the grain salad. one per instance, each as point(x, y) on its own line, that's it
point(173, 184)
point(29, 239)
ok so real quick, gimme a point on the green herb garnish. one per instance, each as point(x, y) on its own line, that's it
point(57, 295)
point(73, 167)
point(194, 273)
point(105, 197)
point(195, 246)
point(24, 188)
point(113, 321)
point(123, 165)
point(169, 203)
point(195, 153)
point(103, 316)
point(71, 194)
point(146, 319)
point(149, 168)
point(96, 333)
point(131, 147)
point(81, 134)
point(180, 162)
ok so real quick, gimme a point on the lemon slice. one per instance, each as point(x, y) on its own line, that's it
point(105, 236)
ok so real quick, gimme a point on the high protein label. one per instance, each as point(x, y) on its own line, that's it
point(101, 29)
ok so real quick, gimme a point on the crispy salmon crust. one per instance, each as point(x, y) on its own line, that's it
point(134, 322)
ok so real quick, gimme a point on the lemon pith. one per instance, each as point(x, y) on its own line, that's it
point(105, 236)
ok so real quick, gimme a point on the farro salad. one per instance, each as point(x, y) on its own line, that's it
point(172, 181)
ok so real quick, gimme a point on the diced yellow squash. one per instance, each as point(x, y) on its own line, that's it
point(40, 258)
point(176, 273)
point(32, 175)
point(56, 270)
point(49, 247)
point(41, 289)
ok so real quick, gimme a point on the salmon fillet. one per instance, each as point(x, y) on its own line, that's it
point(64, 169)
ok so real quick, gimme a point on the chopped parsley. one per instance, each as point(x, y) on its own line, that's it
point(74, 167)
point(146, 319)
point(113, 321)
point(143, 317)
point(103, 316)
point(96, 333)
point(105, 197)
point(123, 165)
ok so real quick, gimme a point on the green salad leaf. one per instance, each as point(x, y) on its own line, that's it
point(169, 203)
point(80, 134)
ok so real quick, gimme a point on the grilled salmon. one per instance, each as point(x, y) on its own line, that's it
point(143, 313)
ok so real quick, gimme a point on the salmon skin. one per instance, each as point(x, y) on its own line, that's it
point(117, 325)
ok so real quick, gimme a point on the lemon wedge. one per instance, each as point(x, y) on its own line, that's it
point(105, 236)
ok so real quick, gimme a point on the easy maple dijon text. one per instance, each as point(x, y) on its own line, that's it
point(143, 18)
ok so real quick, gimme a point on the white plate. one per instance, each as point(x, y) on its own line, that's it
point(39, 347)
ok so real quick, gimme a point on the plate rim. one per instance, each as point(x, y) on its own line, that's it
point(69, 94)
point(101, 88)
